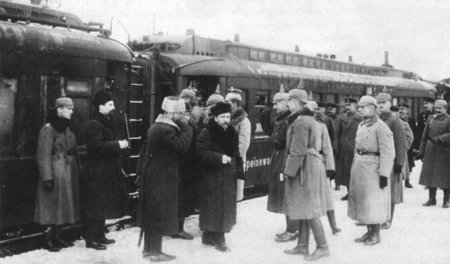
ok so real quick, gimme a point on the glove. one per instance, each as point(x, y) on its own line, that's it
point(398, 169)
point(383, 182)
point(48, 185)
point(285, 177)
point(123, 144)
point(330, 174)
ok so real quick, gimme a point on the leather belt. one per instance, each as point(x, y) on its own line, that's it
point(362, 152)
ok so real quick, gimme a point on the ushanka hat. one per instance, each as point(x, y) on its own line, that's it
point(234, 94)
point(298, 94)
point(384, 97)
point(215, 97)
point(101, 98)
point(220, 108)
point(64, 102)
point(440, 103)
point(173, 104)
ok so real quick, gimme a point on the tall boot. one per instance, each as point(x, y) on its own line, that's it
point(388, 223)
point(59, 241)
point(431, 197)
point(303, 240)
point(291, 231)
point(49, 244)
point(332, 221)
point(365, 236)
point(375, 237)
point(446, 203)
point(321, 241)
point(146, 252)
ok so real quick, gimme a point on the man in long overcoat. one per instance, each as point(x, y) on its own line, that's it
point(221, 166)
point(414, 148)
point(167, 139)
point(395, 125)
point(369, 196)
point(435, 151)
point(275, 195)
point(345, 134)
point(422, 117)
point(305, 176)
point(57, 199)
point(105, 189)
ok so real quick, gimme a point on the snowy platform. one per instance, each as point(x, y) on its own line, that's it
point(418, 235)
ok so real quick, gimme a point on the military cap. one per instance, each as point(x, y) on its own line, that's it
point(312, 104)
point(64, 102)
point(350, 100)
point(403, 105)
point(278, 97)
point(234, 94)
point(298, 94)
point(440, 103)
point(367, 100)
point(333, 105)
point(394, 108)
point(321, 104)
point(428, 99)
point(220, 108)
point(383, 97)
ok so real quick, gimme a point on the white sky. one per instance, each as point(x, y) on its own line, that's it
point(415, 32)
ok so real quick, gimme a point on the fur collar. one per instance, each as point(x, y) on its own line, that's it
point(227, 140)
point(292, 117)
point(162, 119)
point(385, 115)
point(238, 115)
point(282, 116)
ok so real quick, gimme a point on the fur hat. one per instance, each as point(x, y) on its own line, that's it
point(173, 104)
point(313, 105)
point(64, 102)
point(234, 94)
point(394, 108)
point(215, 97)
point(384, 97)
point(440, 103)
point(367, 100)
point(350, 100)
point(101, 98)
point(188, 93)
point(298, 94)
point(279, 97)
point(220, 108)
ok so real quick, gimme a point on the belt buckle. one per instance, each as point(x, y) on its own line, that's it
point(360, 152)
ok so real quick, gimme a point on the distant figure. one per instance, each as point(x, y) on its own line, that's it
point(422, 117)
point(332, 112)
point(57, 199)
point(435, 151)
point(221, 166)
point(158, 209)
point(369, 199)
point(395, 125)
point(105, 188)
point(346, 133)
point(241, 123)
point(414, 149)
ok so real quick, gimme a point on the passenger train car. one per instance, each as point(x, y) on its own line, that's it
point(45, 54)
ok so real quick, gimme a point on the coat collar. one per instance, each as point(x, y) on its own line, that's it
point(385, 115)
point(282, 116)
point(237, 116)
point(162, 119)
point(370, 121)
point(104, 120)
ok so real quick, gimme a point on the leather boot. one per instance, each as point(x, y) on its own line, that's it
point(365, 236)
point(160, 256)
point(388, 223)
point(303, 241)
point(59, 241)
point(446, 203)
point(49, 244)
point(321, 241)
point(408, 184)
point(431, 197)
point(332, 221)
point(375, 237)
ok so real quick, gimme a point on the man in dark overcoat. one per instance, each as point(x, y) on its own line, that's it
point(167, 139)
point(395, 125)
point(221, 166)
point(332, 112)
point(422, 117)
point(105, 189)
point(435, 151)
point(275, 195)
point(345, 134)
point(57, 197)
point(404, 115)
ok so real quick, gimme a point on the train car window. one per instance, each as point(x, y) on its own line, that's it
point(305, 61)
point(242, 53)
point(78, 88)
point(276, 58)
point(261, 56)
point(330, 98)
point(295, 60)
point(253, 55)
point(261, 100)
point(409, 101)
point(8, 93)
point(289, 59)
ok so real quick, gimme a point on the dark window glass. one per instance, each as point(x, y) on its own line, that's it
point(8, 93)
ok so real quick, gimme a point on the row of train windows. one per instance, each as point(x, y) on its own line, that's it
point(299, 60)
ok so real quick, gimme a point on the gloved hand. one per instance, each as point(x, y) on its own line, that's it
point(285, 177)
point(383, 181)
point(48, 185)
point(397, 169)
point(330, 174)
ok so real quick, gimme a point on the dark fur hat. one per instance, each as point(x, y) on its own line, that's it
point(102, 98)
point(220, 108)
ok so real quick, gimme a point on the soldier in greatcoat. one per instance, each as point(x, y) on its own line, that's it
point(275, 195)
point(305, 177)
point(422, 117)
point(57, 199)
point(414, 148)
point(369, 197)
point(395, 124)
point(105, 189)
point(345, 134)
point(168, 138)
point(435, 151)
point(221, 166)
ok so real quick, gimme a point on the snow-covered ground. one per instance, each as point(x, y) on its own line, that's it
point(418, 235)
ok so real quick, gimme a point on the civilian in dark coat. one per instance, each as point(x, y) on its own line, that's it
point(167, 139)
point(57, 199)
point(422, 117)
point(346, 134)
point(395, 125)
point(221, 166)
point(404, 115)
point(435, 151)
point(105, 189)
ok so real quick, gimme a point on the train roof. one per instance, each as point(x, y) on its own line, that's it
point(62, 42)
point(232, 66)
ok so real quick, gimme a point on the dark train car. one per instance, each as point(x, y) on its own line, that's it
point(39, 63)
point(259, 73)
